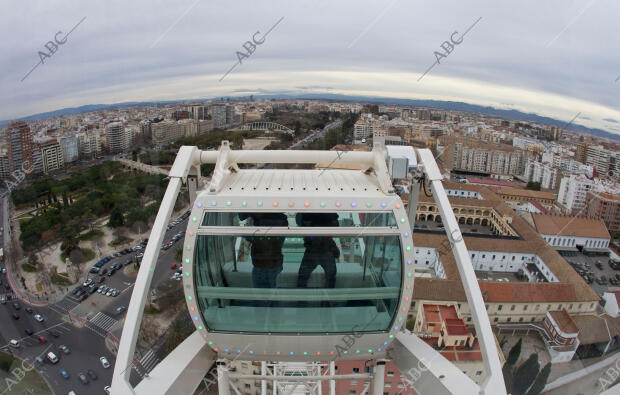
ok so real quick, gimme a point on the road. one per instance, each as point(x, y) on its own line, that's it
point(86, 343)
point(320, 134)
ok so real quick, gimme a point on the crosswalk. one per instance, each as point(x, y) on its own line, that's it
point(149, 361)
point(103, 321)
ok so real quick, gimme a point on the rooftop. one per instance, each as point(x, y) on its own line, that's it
point(564, 321)
point(570, 226)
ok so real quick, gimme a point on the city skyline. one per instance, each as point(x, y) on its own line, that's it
point(547, 60)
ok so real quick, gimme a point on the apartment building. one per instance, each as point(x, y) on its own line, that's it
point(118, 139)
point(472, 155)
point(90, 144)
point(167, 131)
point(20, 145)
point(541, 173)
point(606, 162)
point(605, 207)
point(573, 190)
point(51, 156)
point(70, 148)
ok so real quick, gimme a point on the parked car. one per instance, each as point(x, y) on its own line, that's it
point(92, 290)
point(83, 378)
point(16, 306)
point(103, 289)
point(91, 374)
point(599, 265)
point(64, 349)
point(53, 332)
point(103, 271)
point(80, 292)
point(173, 266)
point(39, 318)
point(120, 310)
point(28, 331)
point(28, 310)
point(111, 272)
point(39, 360)
point(52, 357)
point(107, 389)
point(128, 262)
point(64, 374)
point(14, 343)
point(42, 339)
point(83, 297)
point(94, 270)
point(101, 279)
point(104, 362)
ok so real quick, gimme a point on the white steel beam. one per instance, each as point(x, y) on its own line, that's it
point(494, 381)
point(378, 378)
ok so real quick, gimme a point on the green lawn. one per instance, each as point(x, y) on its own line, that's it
point(12, 382)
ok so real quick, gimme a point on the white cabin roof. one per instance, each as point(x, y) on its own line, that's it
point(296, 182)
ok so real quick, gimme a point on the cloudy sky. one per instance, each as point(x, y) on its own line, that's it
point(556, 58)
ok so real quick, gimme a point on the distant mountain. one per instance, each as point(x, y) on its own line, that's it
point(514, 115)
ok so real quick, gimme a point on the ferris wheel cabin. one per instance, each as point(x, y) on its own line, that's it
point(301, 265)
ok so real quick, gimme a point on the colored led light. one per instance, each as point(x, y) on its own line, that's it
point(210, 343)
point(353, 204)
point(368, 204)
point(194, 219)
point(195, 318)
point(402, 220)
point(404, 309)
point(226, 350)
point(409, 274)
point(244, 203)
point(238, 351)
point(190, 298)
point(400, 318)
point(408, 248)
point(204, 336)
point(214, 203)
point(331, 353)
point(391, 336)
point(385, 343)
point(409, 262)
point(251, 352)
point(259, 204)
point(191, 233)
point(322, 204)
point(345, 352)
point(199, 326)
point(407, 298)
point(305, 353)
point(397, 205)
point(406, 234)
point(357, 351)
point(189, 247)
point(306, 204)
point(318, 353)
point(186, 260)
point(369, 350)
point(187, 274)
point(383, 204)
point(379, 349)
point(277, 352)
point(192, 308)
point(291, 204)
point(216, 349)
point(275, 204)
point(292, 353)
point(228, 203)
point(395, 328)
point(337, 204)
point(198, 204)
point(264, 352)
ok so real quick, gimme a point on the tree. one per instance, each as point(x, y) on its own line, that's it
point(178, 254)
point(534, 186)
point(116, 218)
point(541, 380)
point(515, 351)
point(525, 374)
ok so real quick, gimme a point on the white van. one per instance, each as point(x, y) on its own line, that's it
point(52, 357)
point(14, 343)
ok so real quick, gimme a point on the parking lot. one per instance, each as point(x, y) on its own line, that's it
point(432, 225)
point(585, 261)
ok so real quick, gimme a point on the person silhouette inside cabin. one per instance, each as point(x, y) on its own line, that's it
point(266, 251)
point(320, 250)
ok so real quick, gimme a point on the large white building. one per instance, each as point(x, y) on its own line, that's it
point(118, 138)
point(572, 192)
point(70, 150)
point(605, 162)
point(539, 172)
point(89, 144)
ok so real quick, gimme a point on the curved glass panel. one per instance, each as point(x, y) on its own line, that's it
point(286, 284)
point(343, 219)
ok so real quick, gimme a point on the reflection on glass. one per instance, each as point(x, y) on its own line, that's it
point(344, 219)
point(361, 294)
